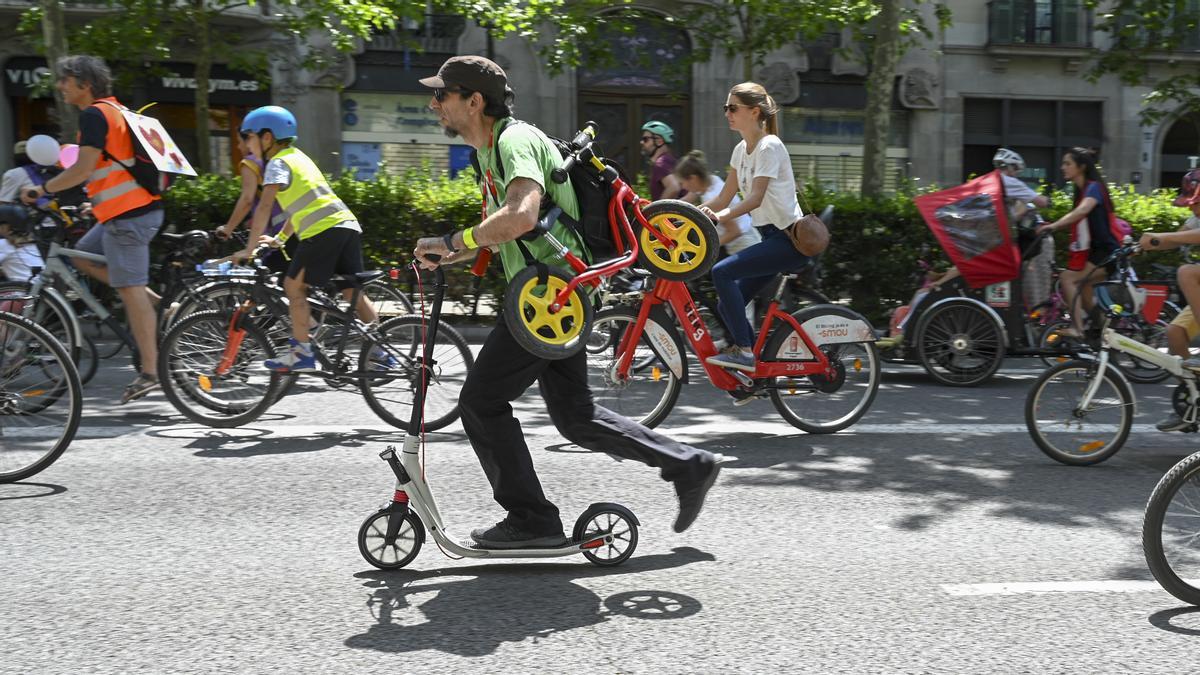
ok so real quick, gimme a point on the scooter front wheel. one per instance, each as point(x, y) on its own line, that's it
point(620, 528)
point(390, 539)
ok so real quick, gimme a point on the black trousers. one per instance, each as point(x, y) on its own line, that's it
point(501, 374)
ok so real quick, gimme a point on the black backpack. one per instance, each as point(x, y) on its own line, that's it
point(143, 170)
point(591, 191)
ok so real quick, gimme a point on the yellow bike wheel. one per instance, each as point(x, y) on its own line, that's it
point(694, 236)
point(544, 333)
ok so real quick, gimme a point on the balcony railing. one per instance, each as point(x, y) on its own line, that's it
point(1039, 23)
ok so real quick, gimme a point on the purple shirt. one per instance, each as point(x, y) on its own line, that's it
point(660, 167)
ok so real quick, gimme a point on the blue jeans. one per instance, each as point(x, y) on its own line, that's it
point(740, 276)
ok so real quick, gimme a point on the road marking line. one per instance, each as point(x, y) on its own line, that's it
point(1036, 587)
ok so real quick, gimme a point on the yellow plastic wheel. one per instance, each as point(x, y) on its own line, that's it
point(694, 236)
point(542, 332)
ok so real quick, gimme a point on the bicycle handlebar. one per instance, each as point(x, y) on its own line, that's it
point(582, 141)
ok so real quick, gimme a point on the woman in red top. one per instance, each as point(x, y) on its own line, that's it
point(1092, 240)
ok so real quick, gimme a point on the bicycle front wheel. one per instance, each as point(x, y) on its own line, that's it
point(391, 372)
point(824, 403)
point(213, 380)
point(1064, 430)
point(41, 399)
point(649, 391)
point(1171, 530)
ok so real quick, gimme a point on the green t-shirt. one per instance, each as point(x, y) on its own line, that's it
point(527, 153)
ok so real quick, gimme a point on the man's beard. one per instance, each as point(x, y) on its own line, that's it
point(450, 132)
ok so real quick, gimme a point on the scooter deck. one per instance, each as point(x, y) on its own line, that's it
point(570, 547)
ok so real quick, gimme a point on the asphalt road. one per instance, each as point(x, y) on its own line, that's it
point(931, 537)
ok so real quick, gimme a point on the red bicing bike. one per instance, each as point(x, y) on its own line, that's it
point(817, 365)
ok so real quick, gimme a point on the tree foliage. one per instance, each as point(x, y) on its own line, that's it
point(1151, 43)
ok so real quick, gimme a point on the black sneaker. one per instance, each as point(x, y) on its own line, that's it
point(504, 536)
point(691, 492)
point(1172, 423)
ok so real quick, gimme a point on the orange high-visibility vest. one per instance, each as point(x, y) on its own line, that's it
point(111, 188)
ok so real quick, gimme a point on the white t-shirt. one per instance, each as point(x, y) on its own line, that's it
point(770, 159)
point(17, 262)
point(15, 182)
point(279, 173)
point(1015, 188)
point(749, 236)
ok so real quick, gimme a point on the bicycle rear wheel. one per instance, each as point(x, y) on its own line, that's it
point(1171, 530)
point(1069, 434)
point(190, 361)
point(41, 399)
point(388, 300)
point(392, 372)
point(651, 389)
point(825, 403)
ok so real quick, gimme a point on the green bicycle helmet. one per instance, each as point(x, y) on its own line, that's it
point(660, 129)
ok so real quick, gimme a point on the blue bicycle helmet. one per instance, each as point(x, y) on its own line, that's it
point(279, 121)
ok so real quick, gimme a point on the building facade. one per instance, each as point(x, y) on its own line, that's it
point(1006, 72)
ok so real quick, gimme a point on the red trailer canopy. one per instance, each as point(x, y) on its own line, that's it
point(971, 223)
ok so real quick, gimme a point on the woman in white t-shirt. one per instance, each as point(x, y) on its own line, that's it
point(762, 171)
point(692, 171)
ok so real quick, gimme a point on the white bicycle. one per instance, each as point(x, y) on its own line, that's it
point(1080, 411)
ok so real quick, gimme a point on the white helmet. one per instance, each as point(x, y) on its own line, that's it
point(1006, 158)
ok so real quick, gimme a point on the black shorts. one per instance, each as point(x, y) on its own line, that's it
point(337, 250)
point(275, 260)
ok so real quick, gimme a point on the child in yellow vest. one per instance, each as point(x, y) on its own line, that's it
point(330, 236)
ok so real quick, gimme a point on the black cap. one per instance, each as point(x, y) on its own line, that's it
point(474, 73)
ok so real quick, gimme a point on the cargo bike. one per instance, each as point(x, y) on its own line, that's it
point(961, 331)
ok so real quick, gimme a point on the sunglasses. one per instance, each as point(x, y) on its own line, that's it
point(647, 139)
point(731, 107)
point(245, 135)
point(439, 95)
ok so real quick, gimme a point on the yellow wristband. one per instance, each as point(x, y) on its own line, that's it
point(469, 238)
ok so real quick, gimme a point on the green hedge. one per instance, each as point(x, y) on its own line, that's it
point(872, 260)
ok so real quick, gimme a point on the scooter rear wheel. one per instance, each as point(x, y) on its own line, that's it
point(621, 526)
point(405, 542)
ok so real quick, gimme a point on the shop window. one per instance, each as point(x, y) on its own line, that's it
point(837, 127)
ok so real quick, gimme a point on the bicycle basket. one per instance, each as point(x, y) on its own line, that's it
point(1130, 298)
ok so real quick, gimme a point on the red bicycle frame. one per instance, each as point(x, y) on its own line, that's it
point(676, 294)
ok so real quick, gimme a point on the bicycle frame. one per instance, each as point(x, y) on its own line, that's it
point(622, 231)
point(1111, 340)
point(811, 360)
point(56, 269)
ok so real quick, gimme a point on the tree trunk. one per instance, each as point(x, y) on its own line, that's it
point(54, 33)
point(884, 61)
point(204, 162)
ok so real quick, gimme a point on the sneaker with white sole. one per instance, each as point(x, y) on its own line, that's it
point(734, 357)
point(1172, 423)
point(295, 360)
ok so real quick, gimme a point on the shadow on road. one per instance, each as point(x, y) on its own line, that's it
point(1165, 619)
point(945, 472)
point(21, 490)
point(251, 441)
point(500, 603)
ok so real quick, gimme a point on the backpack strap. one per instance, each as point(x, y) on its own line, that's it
point(34, 175)
point(104, 151)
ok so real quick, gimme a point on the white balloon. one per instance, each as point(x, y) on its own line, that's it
point(42, 149)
